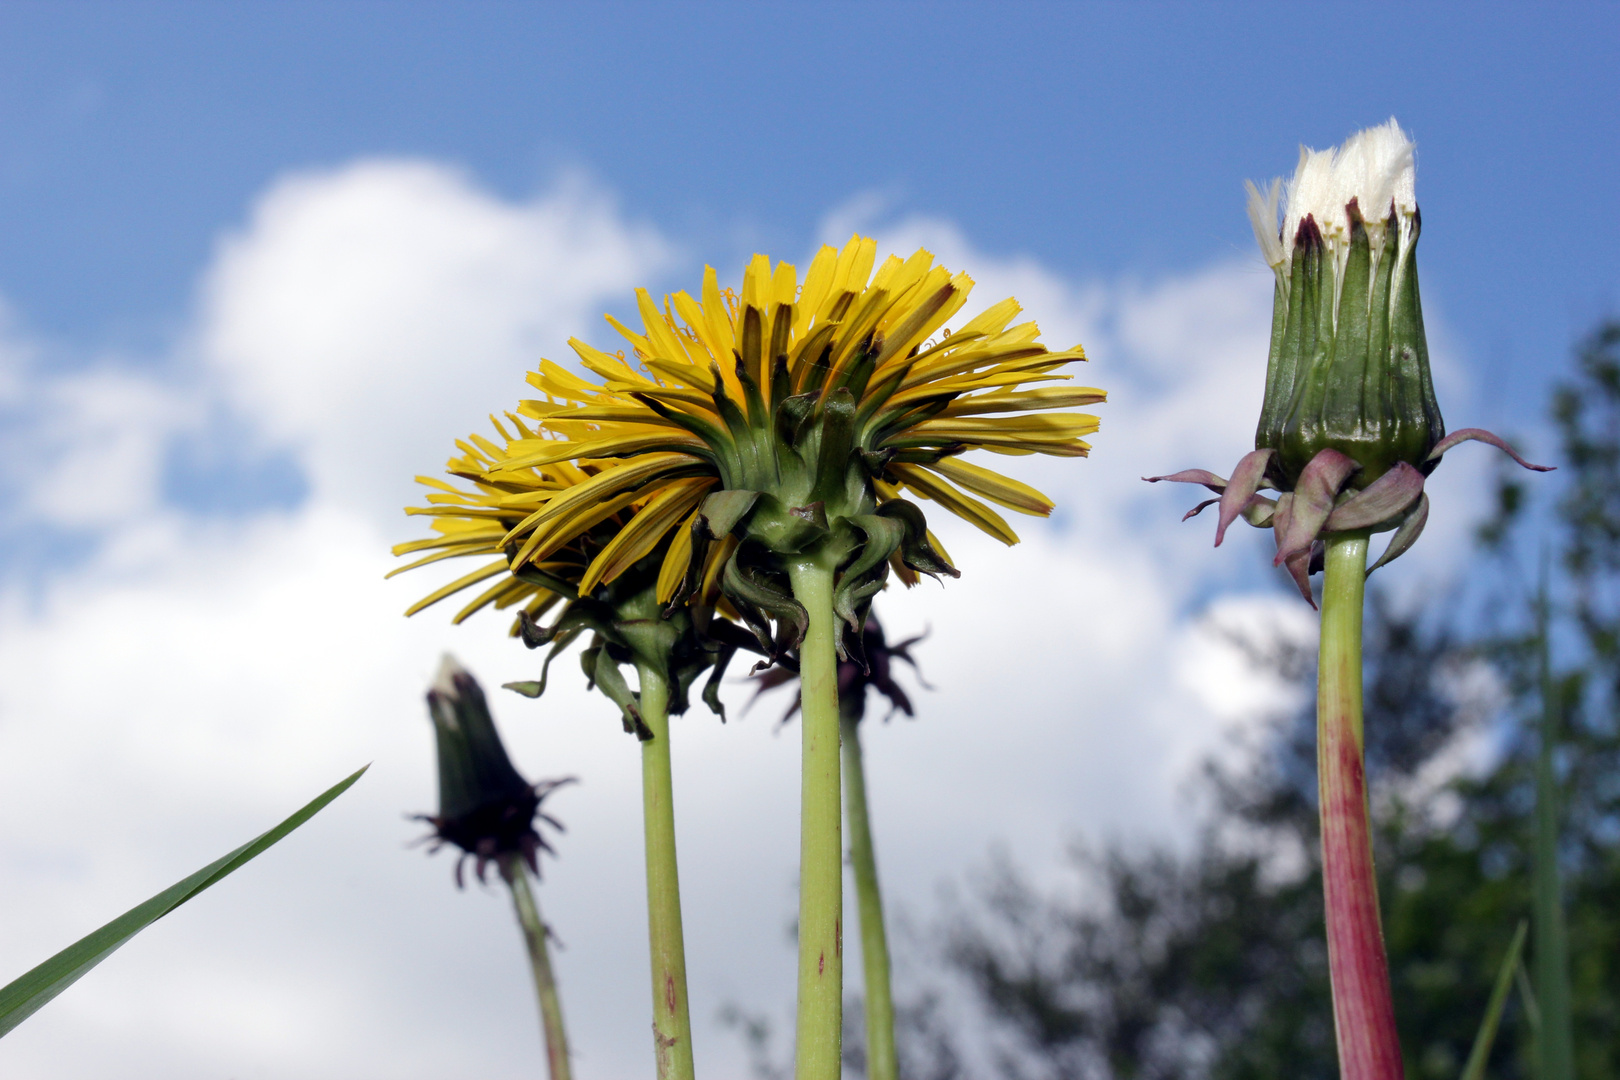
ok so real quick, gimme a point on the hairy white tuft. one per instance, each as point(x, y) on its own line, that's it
point(1263, 216)
point(444, 683)
point(1376, 167)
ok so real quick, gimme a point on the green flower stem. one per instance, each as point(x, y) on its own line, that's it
point(1555, 1043)
point(545, 982)
point(881, 1063)
point(672, 1025)
point(1363, 1012)
point(819, 1050)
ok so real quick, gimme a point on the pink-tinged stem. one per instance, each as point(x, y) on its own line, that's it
point(1363, 1012)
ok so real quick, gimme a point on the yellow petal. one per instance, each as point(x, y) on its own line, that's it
point(817, 281)
point(630, 475)
point(691, 313)
point(559, 531)
point(510, 590)
point(714, 313)
point(993, 319)
point(756, 288)
point(995, 487)
point(615, 445)
point(451, 552)
point(1038, 425)
point(676, 560)
point(784, 285)
point(682, 374)
point(963, 506)
point(604, 364)
point(1003, 401)
point(481, 574)
point(645, 530)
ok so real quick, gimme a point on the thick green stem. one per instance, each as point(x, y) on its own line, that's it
point(545, 982)
point(1555, 1042)
point(819, 1049)
point(881, 1063)
point(672, 1026)
point(1363, 1011)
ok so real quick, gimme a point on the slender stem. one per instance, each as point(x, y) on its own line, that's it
point(881, 1063)
point(1555, 1043)
point(672, 1026)
point(819, 1050)
point(545, 982)
point(1363, 1012)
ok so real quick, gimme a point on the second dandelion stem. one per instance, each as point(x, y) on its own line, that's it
point(672, 1025)
point(545, 982)
point(1363, 1011)
point(880, 1052)
point(819, 1049)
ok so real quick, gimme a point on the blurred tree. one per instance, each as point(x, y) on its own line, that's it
point(1164, 965)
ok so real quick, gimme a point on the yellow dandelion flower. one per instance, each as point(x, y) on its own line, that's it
point(824, 399)
point(807, 407)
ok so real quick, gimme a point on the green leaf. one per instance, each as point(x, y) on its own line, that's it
point(1475, 1069)
point(21, 999)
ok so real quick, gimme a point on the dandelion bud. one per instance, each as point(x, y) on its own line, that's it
point(1349, 366)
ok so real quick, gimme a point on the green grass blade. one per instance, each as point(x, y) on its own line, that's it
point(1475, 1069)
point(1555, 1046)
point(21, 999)
point(1527, 994)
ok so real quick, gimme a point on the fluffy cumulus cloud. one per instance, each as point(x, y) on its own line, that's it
point(198, 676)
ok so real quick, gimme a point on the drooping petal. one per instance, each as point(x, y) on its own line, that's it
point(1246, 478)
point(1383, 499)
point(1318, 486)
point(1199, 509)
point(1215, 483)
point(1406, 535)
point(1481, 435)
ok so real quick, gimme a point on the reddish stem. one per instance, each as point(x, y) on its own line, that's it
point(1363, 1011)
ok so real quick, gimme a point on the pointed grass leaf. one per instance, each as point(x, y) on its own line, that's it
point(23, 997)
point(1475, 1069)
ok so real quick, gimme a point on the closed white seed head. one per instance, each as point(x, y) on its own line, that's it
point(1376, 167)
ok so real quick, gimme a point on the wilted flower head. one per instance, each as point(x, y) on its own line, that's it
point(1349, 427)
point(872, 669)
point(485, 807)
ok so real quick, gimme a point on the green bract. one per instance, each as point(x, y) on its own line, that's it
point(1349, 364)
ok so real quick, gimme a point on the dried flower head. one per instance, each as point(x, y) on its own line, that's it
point(485, 807)
point(872, 669)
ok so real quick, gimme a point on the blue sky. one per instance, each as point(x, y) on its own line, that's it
point(260, 263)
point(1103, 139)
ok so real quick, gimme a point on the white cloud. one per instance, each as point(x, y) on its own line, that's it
point(199, 678)
point(373, 313)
